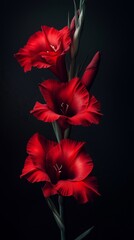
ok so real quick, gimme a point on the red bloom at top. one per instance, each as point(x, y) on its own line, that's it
point(46, 49)
point(64, 166)
point(69, 103)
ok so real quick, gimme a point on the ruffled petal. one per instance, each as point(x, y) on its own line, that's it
point(43, 113)
point(48, 190)
point(82, 166)
point(30, 55)
point(91, 115)
point(32, 173)
point(49, 58)
point(43, 50)
point(83, 191)
point(38, 42)
point(94, 110)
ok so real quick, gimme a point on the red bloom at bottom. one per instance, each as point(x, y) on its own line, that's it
point(64, 167)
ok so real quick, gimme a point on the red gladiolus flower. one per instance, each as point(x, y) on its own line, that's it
point(69, 103)
point(91, 71)
point(64, 166)
point(46, 49)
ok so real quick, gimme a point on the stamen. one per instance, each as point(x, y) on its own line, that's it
point(57, 168)
point(64, 107)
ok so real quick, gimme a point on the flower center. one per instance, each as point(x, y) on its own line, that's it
point(64, 108)
point(58, 170)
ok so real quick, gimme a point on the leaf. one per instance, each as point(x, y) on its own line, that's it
point(84, 234)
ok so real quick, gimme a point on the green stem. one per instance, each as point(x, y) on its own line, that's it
point(72, 68)
point(55, 213)
point(58, 135)
point(57, 131)
point(62, 231)
point(67, 132)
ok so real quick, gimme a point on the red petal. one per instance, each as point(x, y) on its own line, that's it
point(66, 38)
point(53, 36)
point(67, 91)
point(91, 71)
point(80, 96)
point(48, 190)
point(30, 55)
point(49, 90)
point(83, 191)
point(60, 41)
point(43, 113)
point(91, 115)
point(32, 173)
point(65, 152)
point(94, 111)
point(49, 57)
point(65, 188)
point(37, 148)
point(60, 68)
point(82, 166)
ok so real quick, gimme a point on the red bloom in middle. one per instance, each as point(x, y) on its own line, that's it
point(69, 103)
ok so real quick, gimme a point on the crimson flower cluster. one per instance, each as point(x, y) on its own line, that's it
point(64, 167)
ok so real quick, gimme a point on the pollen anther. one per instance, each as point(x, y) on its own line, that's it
point(57, 168)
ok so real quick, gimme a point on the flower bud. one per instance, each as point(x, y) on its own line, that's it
point(76, 26)
point(91, 71)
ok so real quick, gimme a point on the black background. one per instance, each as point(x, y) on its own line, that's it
point(108, 29)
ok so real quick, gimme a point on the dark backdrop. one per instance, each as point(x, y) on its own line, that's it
point(24, 211)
